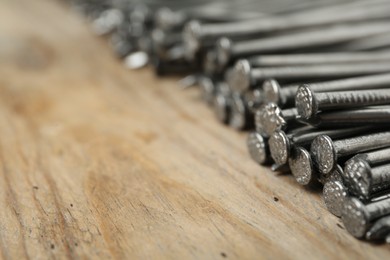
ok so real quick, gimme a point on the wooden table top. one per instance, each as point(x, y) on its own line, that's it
point(100, 161)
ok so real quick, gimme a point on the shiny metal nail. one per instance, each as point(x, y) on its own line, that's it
point(285, 96)
point(372, 158)
point(301, 166)
point(372, 43)
point(310, 103)
point(108, 21)
point(270, 118)
point(326, 152)
point(198, 36)
point(241, 118)
point(334, 194)
point(317, 58)
point(363, 116)
point(380, 230)
point(357, 217)
point(258, 148)
point(246, 78)
point(281, 143)
point(365, 180)
point(228, 51)
point(223, 102)
point(207, 89)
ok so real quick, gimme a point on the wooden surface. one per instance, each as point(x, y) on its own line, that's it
point(99, 161)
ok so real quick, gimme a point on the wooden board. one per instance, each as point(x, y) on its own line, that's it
point(100, 162)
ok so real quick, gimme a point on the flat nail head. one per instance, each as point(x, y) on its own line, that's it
point(355, 217)
point(279, 145)
point(207, 89)
point(238, 113)
point(257, 147)
point(165, 17)
point(359, 176)
point(242, 79)
point(223, 47)
point(209, 63)
point(335, 175)
point(334, 195)
point(191, 34)
point(221, 108)
point(323, 153)
point(271, 91)
point(305, 102)
point(301, 166)
point(269, 119)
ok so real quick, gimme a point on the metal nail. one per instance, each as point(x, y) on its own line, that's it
point(270, 118)
point(370, 115)
point(253, 99)
point(210, 63)
point(108, 21)
point(248, 78)
point(136, 60)
point(285, 96)
point(189, 81)
point(208, 90)
point(223, 102)
point(357, 217)
point(258, 148)
point(334, 194)
point(168, 20)
point(376, 157)
point(301, 166)
point(310, 103)
point(228, 51)
point(317, 58)
point(281, 143)
point(199, 35)
point(162, 41)
point(374, 42)
point(326, 152)
point(365, 180)
point(372, 158)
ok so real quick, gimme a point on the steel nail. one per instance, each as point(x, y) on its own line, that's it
point(364, 179)
point(228, 50)
point(241, 117)
point(370, 115)
point(281, 143)
point(285, 96)
point(357, 217)
point(258, 148)
point(208, 90)
point(198, 36)
point(317, 58)
point(270, 118)
point(326, 152)
point(223, 102)
point(334, 194)
point(309, 103)
point(248, 78)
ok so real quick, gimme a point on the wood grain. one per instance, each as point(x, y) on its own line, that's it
point(100, 162)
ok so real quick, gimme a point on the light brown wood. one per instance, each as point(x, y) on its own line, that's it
point(100, 162)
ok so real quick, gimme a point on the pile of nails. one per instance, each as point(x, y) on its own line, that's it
point(309, 79)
